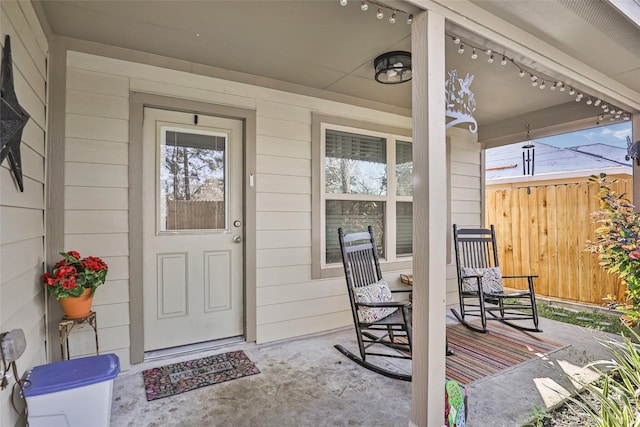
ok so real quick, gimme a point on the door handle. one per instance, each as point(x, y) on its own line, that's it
point(237, 239)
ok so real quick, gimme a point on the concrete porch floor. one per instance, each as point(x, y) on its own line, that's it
point(307, 382)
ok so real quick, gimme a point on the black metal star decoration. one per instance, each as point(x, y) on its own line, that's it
point(13, 118)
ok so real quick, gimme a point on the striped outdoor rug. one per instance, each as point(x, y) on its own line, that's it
point(481, 355)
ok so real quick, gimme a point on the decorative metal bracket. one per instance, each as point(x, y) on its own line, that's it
point(13, 119)
point(633, 151)
point(461, 102)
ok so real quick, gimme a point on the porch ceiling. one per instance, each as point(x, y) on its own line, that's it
point(321, 45)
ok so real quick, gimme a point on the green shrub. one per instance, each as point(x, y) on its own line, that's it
point(617, 394)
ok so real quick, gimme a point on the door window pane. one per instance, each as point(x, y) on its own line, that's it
point(404, 168)
point(192, 181)
point(404, 228)
point(352, 216)
point(355, 164)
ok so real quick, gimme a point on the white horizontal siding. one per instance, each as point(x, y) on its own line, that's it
point(20, 224)
point(301, 291)
point(284, 221)
point(96, 198)
point(274, 239)
point(286, 166)
point(283, 184)
point(101, 152)
point(274, 276)
point(301, 309)
point(466, 194)
point(22, 213)
point(32, 197)
point(97, 104)
point(304, 325)
point(271, 146)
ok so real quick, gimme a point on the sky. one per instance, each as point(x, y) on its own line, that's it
point(615, 135)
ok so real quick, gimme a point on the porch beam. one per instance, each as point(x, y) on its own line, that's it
point(429, 219)
point(537, 54)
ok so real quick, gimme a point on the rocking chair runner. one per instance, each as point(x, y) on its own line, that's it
point(379, 320)
point(480, 280)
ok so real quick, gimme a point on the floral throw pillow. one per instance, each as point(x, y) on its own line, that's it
point(375, 292)
point(491, 279)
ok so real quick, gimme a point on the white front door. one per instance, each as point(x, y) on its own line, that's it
point(192, 228)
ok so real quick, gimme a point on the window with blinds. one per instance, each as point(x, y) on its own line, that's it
point(355, 164)
point(367, 182)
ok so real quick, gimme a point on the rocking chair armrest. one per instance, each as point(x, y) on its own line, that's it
point(385, 304)
point(523, 276)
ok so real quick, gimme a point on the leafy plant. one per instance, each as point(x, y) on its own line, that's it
point(617, 394)
point(617, 244)
point(537, 417)
point(72, 275)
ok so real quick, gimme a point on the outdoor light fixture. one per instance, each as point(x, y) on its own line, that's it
point(393, 67)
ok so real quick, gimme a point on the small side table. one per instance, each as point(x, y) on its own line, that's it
point(66, 325)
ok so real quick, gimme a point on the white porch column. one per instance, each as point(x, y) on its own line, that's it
point(635, 135)
point(429, 219)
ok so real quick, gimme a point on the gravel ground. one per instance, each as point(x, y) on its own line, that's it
point(566, 416)
point(570, 415)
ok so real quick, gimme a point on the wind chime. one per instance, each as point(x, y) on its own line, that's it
point(528, 155)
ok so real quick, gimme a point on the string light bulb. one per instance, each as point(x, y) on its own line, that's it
point(379, 15)
point(392, 18)
point(609, 111)
point(343, 2)
point(410, 20)
point(364, 6)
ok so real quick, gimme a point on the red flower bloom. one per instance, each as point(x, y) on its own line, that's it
point(635, 254)
point(65, 271)
point(69, 283)
point(74, 254)
point(60, 263)
point(47, 279)
point(93, 263)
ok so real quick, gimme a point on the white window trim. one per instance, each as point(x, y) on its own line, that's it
point(319, 268)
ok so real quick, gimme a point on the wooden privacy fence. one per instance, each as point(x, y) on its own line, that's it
point(543, 230)
point(195, 215)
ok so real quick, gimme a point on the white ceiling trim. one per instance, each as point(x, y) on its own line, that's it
point(544, 57)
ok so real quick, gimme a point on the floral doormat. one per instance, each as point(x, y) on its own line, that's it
point(185, 376)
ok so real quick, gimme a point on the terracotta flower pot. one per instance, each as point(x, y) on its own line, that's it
point(77, 307)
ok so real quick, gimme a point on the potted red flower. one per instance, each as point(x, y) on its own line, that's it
point(74, 280)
